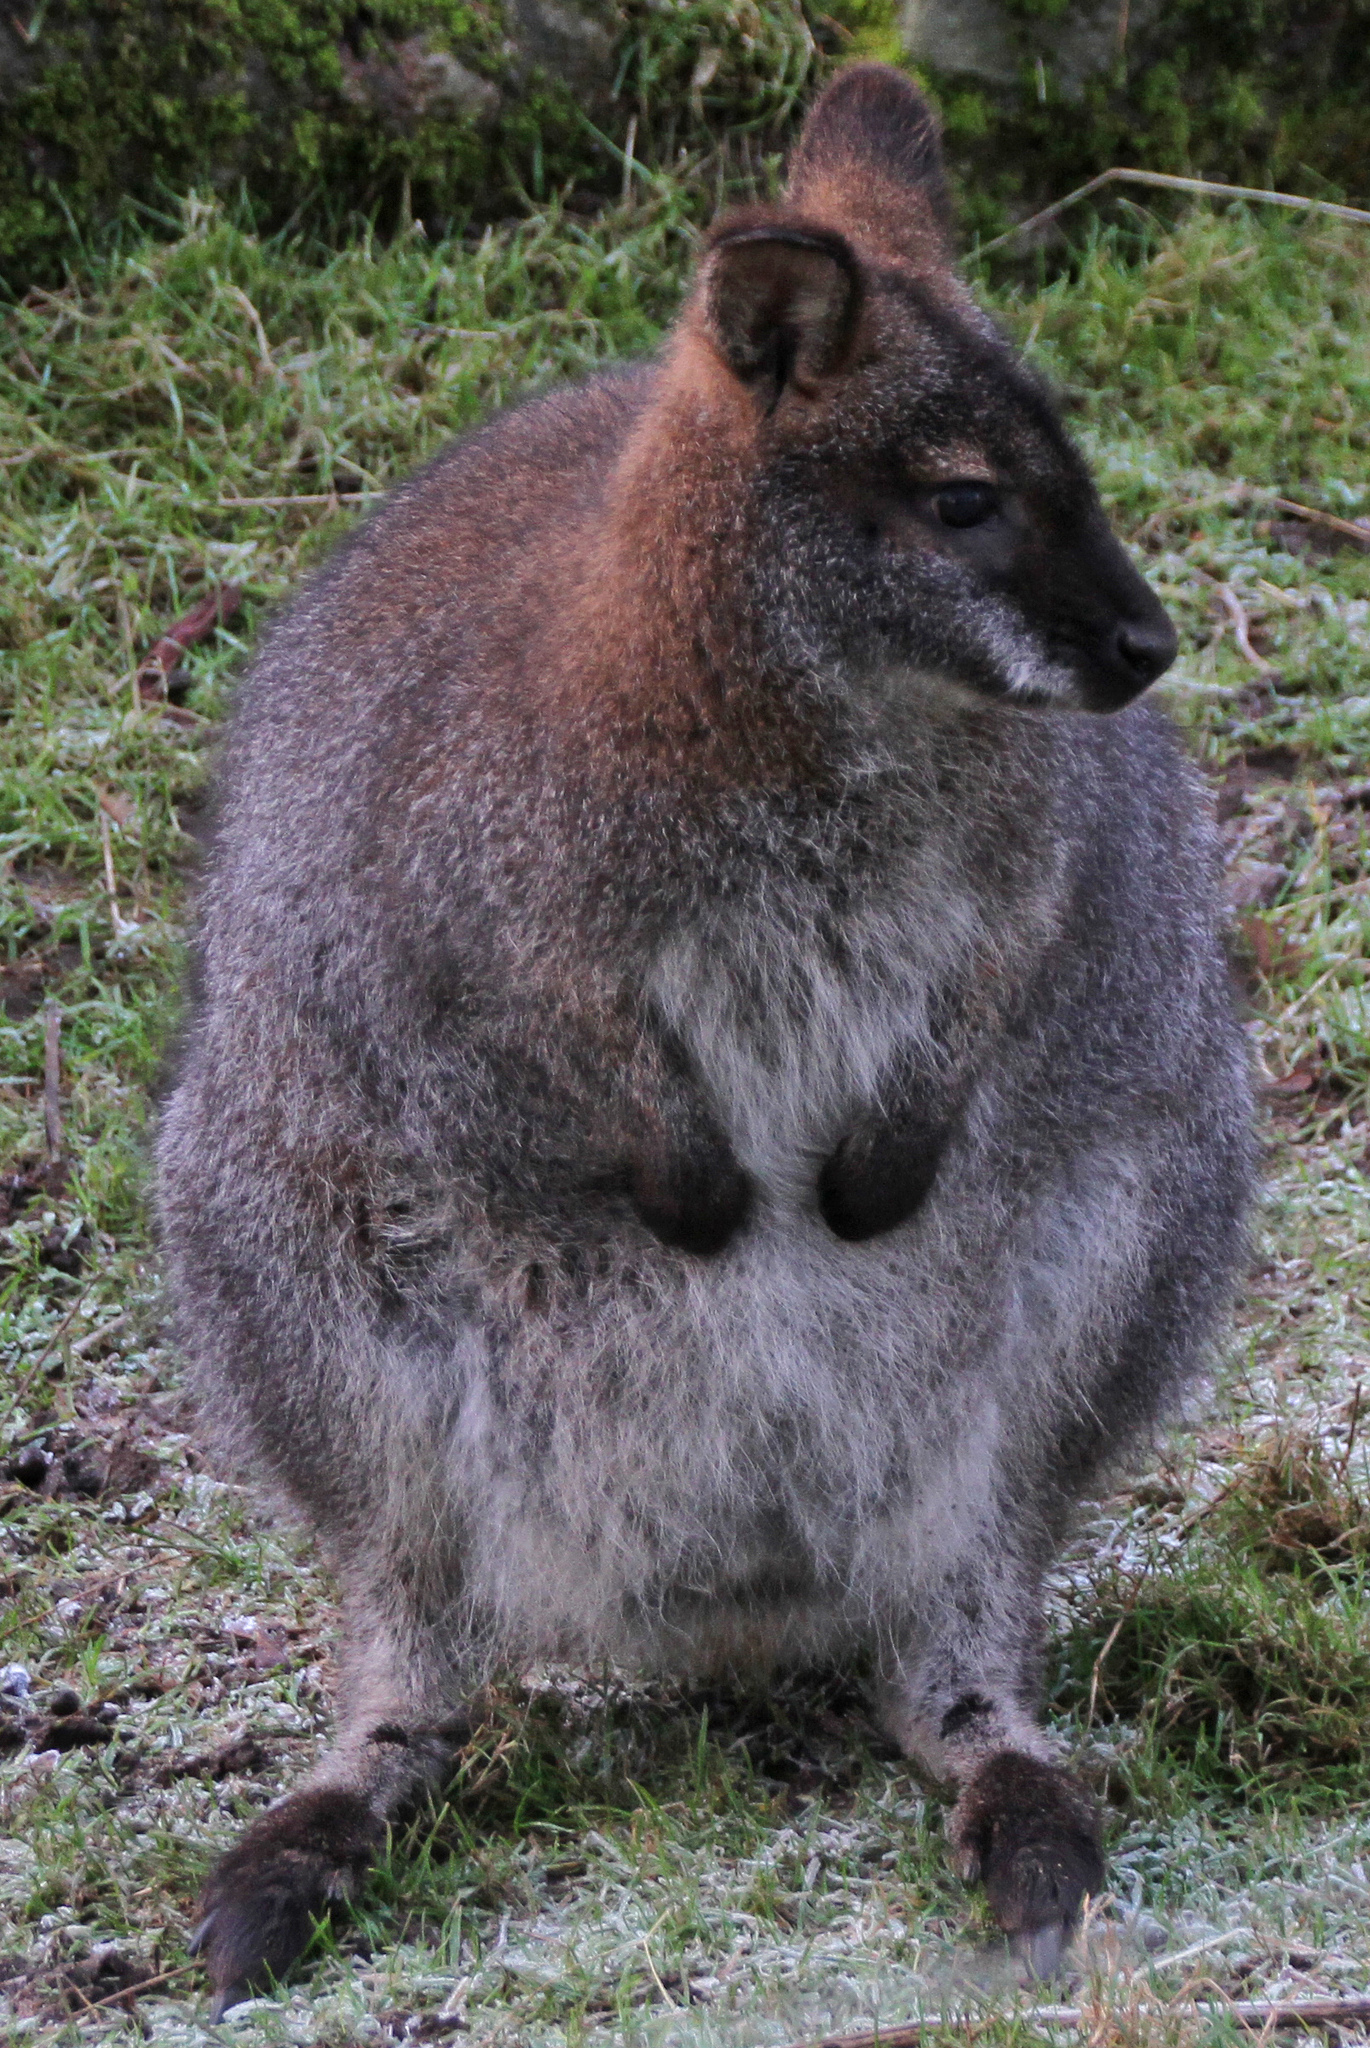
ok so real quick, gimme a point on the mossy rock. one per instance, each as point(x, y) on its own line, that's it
point(317, 111)
point(306, 106)
point(1039, 95)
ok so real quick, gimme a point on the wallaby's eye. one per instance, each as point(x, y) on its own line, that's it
point(965, 504)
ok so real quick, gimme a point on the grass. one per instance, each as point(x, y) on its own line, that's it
point(622, 1861)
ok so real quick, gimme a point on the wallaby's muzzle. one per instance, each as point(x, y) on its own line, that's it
point(1140, 649)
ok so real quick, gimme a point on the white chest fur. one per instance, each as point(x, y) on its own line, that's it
point(796, 1436)
point(792, 1018)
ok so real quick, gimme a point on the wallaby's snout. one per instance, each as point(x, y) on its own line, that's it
point(1143, 649)
point(1099, 617)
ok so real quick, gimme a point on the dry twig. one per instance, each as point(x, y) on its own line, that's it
point(1344, 1466)
point(55, 1337)
point(1241, 627)
point(1235, 495)
point(132, 1991)
point(1255, 2015)
point(83, 1346)
point(1349, 527)
point(52, 1082)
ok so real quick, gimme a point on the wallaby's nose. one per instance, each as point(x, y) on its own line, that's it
point(1147, 647)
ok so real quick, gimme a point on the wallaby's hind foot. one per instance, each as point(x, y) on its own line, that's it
point(262, 1899)
point(1031, 1835)
point(313, 1851)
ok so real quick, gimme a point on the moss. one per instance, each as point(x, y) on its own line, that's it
point(966, 117)
point(1260, 92)
point(146, 99)
point(138, 101)
point(870, 29)
point(300, 105)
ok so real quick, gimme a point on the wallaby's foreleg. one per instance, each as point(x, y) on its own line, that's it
point(962, 1705)
point(401, 1723)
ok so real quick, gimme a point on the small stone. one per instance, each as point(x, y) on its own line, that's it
point(1254, 884)
point(14, 1680)
point(31, 1468)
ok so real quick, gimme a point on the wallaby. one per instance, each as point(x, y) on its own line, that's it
point(713, 1112)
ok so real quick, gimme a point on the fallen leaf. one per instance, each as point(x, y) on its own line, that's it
point(119, 807)
point(1276, 957)
point(1302, 1081)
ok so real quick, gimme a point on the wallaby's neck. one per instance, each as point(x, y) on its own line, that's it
point(666, 657)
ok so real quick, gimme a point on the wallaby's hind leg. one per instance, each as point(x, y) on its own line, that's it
point(401, 1724)
point(962, 1706)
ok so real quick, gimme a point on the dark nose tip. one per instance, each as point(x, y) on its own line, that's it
point(1146, 648)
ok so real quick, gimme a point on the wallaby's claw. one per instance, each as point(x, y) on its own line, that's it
point(262, 1900)
point(203, 1943)
point(1031, 1834)
point(1041, 1949)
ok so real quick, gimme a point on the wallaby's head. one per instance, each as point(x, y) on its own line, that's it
point(916, 503)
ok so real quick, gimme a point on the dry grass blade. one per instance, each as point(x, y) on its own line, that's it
point(302, 498)
point(52, 1081)
point(1123, 175)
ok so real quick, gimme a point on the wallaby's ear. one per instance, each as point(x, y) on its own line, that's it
point(870, 159)
point(781, 301)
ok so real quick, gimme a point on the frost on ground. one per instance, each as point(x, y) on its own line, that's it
point(622, 1862)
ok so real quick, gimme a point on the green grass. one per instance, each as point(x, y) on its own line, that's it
point(624, 1861)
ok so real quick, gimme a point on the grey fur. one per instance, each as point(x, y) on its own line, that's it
point(472, 928)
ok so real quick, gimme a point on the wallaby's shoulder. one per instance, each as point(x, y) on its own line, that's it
point(464, 535)
point(522, 471)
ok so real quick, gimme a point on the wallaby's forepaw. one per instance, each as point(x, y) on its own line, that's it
point(879, 1176)
point(1031, 1834)
point(696, 1202)
point(262, 1899)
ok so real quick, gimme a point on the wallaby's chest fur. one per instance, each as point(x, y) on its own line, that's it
point(774, 1454)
